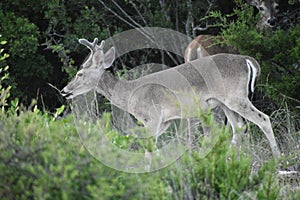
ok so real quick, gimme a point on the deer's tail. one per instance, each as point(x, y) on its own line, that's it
point(254, 69)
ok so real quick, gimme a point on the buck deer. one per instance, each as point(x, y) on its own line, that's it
point(150, 101)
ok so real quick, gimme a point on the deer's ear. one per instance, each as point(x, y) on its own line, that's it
point(109, 58)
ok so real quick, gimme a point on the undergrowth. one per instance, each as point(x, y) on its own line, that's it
point(43, 158)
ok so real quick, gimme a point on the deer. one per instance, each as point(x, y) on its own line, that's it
point(268, 10)
point(149, 101)
point(204, 45)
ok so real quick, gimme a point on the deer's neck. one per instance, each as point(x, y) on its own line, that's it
point(113, 89)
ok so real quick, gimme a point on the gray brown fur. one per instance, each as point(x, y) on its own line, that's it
point(218, 80)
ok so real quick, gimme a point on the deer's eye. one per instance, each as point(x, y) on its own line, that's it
point(80, 74)
point(261, 8)
point(276, 7)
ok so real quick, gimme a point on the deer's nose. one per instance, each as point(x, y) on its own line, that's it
point(65, 92)
point(271, 21)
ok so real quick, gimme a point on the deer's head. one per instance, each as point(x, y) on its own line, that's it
point(91, 70)
point(268, 10)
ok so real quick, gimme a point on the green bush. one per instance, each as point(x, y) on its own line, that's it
point(27, 65)
point(42, 158)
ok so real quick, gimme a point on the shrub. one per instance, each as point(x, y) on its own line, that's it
point(43, 158)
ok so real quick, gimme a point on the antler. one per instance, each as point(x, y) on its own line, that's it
point(92, 45)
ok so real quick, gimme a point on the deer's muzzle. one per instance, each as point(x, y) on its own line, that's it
point(66, 93)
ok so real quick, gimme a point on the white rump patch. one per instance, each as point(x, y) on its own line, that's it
point(252, 69)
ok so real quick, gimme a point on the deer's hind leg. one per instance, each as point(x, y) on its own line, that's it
point(247, 110)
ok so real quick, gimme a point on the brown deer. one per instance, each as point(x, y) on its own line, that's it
point(205, 45)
